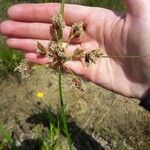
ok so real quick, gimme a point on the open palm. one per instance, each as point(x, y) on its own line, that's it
point(115, 33)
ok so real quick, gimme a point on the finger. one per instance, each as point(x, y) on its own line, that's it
point(30, 45)
point(34, 58)
point(41, 31)
point(31, 30)
point(138, 7)
point(25, 30)
point(43, 12)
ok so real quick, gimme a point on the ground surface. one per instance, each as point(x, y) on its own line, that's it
point(124, 126)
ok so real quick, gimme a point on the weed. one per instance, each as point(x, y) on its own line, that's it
point(48, 139)
point(57, 52)
point(6, 141)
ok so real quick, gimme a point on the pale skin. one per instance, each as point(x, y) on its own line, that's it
point(115, 33)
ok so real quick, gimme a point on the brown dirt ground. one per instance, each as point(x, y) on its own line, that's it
point(107, 119)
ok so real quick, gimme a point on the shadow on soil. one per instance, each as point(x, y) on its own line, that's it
point(81, 140)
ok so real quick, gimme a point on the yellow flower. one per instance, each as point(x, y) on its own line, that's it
point(40, 94)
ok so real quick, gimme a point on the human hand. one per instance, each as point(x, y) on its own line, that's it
point(115, 33)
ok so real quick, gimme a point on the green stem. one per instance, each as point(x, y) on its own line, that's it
point(105, 56)
point(62, 7)
point(60, 88)
point(63, 115)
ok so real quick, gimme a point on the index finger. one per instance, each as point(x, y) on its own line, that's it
point(43, 12)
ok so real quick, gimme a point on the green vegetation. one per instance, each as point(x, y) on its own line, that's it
point(51, 139)
point(48, 137)
point(6, 141)
point(8, 60)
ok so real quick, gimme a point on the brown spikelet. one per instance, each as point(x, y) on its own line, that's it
point(78, 54)
point(92, 56)
point(76, 30)
point(41, 50)
point(24, 68)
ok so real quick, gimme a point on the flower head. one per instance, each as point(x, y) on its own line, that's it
point(24, 68)
point(40, 94)
point(58, 22)
point(92, 56)
point(58, 25)
point(76, 30)
point(41, 50)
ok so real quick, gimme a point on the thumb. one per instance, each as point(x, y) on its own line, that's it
point(138, 8)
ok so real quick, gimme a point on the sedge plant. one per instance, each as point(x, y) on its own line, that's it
point(56, 52)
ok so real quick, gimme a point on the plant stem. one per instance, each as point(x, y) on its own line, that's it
point(63, 115)
point(105, 56)
point(62, 7)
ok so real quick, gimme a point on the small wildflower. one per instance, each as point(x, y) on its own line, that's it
point(24, 68)
point(40, 94)
point(76, 30)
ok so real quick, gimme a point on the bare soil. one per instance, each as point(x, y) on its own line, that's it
point(98, 118)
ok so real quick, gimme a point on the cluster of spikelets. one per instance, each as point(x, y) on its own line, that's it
point(55, 50)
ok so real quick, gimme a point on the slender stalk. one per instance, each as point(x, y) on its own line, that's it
point(63, 115)
point(60, 88)
point(62, 7)
point(123, 56)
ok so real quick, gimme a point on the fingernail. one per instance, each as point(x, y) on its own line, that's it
point(5, 27)
point(14, 11)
